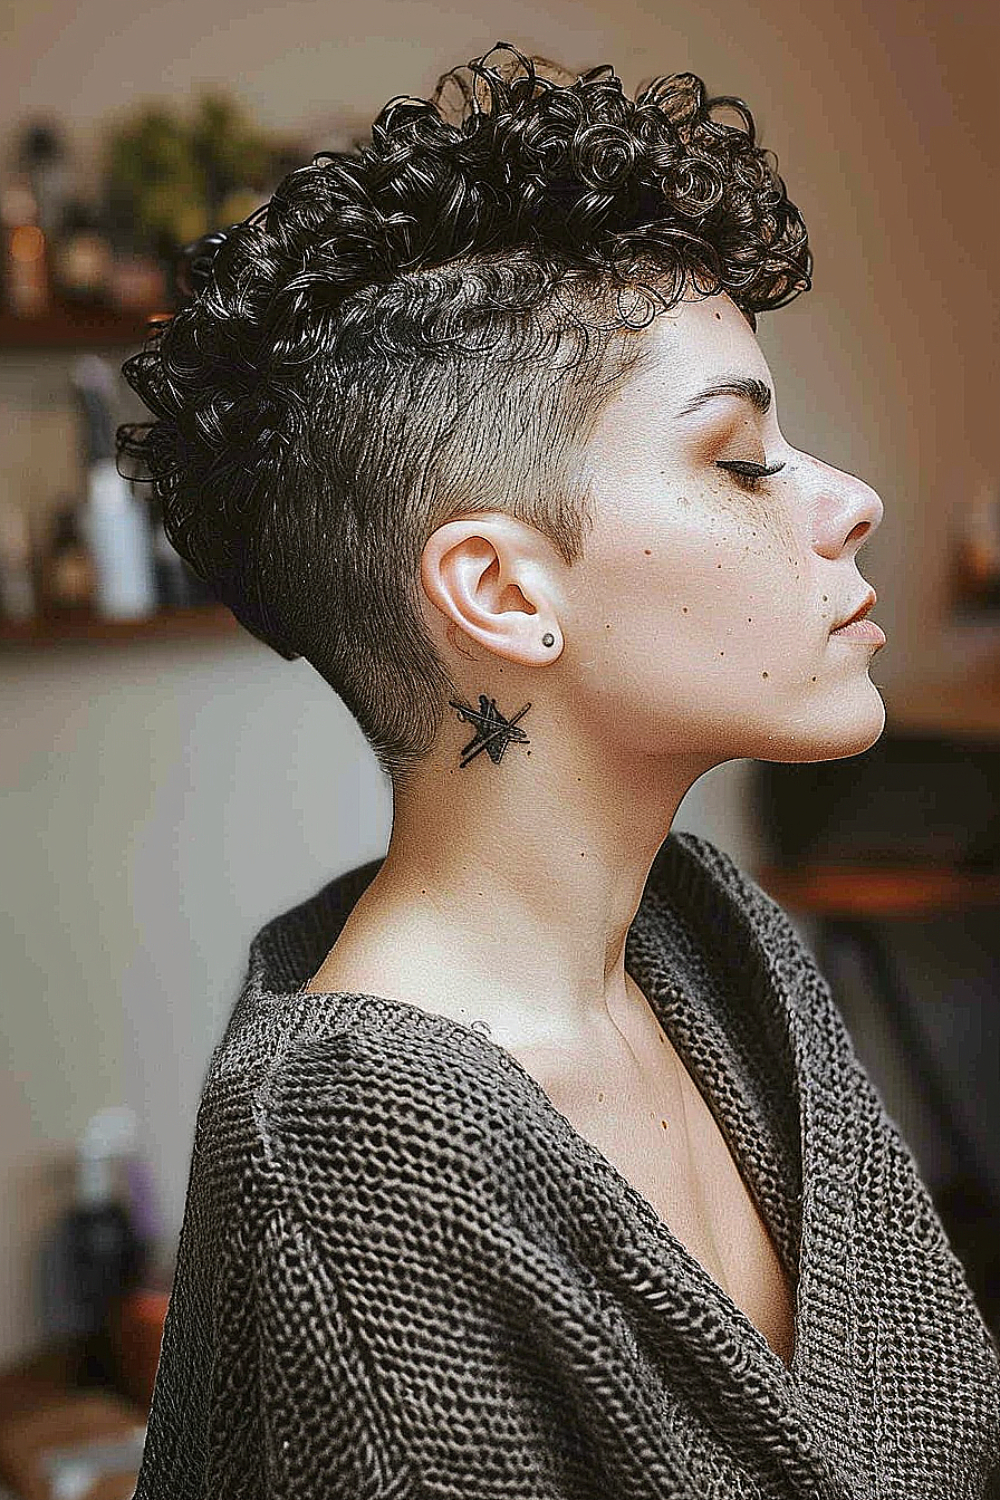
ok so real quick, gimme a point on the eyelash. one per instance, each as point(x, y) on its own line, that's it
point(749, 475)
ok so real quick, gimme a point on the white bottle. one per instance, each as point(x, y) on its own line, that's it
point(115, 524)
point(117, 529)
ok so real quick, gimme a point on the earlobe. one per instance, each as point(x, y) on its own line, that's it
point(478, 573)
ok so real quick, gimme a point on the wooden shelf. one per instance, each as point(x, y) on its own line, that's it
point(840, 890)
point(76, 328)
point(167, 623)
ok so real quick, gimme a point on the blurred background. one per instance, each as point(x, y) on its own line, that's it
point(145, 758)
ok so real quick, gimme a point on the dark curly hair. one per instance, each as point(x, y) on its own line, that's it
point(429, 323)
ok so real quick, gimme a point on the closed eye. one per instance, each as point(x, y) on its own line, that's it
point(749, 475)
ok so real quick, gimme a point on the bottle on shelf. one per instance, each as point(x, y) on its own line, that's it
point(82, 260)
point(44, 161)
point(975, 560)
point(25, 269)
point(138, 284)
point(97, 1254)
point(68, 575)
point(31, 211)
point(115, 522)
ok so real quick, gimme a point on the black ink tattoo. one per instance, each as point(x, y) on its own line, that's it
point(493, 732)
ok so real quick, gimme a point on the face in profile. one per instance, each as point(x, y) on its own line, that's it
point(699, 617)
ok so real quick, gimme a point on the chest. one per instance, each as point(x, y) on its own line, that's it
point(633, 1099)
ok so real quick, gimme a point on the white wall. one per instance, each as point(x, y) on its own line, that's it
point(161, 801)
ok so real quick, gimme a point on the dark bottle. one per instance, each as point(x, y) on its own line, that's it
point(105, 1256)
point(24, 252)
point(68, 577)
point(107, 1261)
point(42, 156)
point(81, 256)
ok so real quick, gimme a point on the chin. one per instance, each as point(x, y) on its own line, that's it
point(850, 728)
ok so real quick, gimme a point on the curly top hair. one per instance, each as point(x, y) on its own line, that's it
point(429, 323)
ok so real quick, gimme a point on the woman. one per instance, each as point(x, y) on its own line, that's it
point(536, 1160)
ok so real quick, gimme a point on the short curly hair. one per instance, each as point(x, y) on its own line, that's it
point(429, 324)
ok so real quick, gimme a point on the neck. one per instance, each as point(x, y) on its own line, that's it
point(509, 888)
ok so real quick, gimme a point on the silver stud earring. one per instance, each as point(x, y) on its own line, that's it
point(548, 638)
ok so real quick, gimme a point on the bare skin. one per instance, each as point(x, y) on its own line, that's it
point(693, 630)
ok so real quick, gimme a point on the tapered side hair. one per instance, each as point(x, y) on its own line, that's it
point(429, 324)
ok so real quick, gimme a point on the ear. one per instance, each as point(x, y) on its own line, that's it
point(494, 577)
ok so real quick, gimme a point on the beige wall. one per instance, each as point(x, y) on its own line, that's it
point(161, 801)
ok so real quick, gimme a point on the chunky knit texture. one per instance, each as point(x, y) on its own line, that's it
point(403, 1275)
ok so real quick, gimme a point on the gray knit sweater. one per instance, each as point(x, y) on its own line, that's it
point(402, 1273)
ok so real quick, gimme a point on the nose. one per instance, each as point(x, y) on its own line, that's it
point(849, 512)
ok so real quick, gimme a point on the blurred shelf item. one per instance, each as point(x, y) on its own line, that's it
point(878, 891)
point(76, 328)
point(168, 623)
point(966, 705)
point(60, 1438)
point(136, 1336)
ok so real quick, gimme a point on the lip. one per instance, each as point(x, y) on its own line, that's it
point(862, 609)
point(861, 630)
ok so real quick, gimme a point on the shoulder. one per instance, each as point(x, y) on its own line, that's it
point(375, 1119)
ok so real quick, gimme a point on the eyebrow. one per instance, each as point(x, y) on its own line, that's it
point(745, 387)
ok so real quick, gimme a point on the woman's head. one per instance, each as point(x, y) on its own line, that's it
point(696, 623)
point(458, 319)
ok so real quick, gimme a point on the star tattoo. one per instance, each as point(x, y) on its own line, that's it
point(493, 732)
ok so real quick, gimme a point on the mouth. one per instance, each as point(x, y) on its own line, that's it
point(856, 627)
point(859, 613)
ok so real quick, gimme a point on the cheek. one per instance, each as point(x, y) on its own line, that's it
point(697, 618)
point(650, 624)
point(757, 575)
point(654, 586)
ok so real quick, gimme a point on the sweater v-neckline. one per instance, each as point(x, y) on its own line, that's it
point(715, 893)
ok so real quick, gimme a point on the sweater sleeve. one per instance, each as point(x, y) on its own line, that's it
point(324, 1428)
point(200, 1435)
point(322, 1424)
point(263, 1389)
